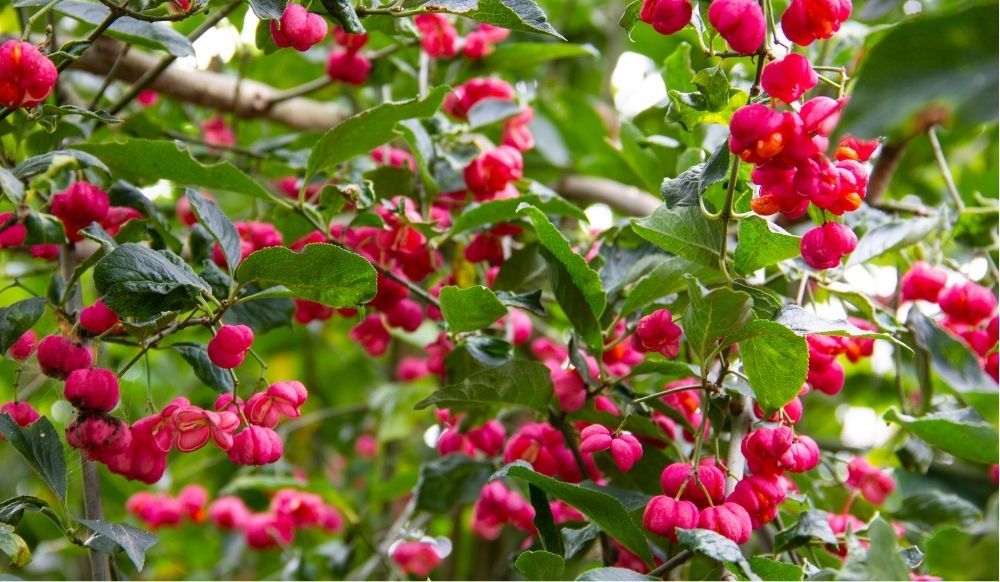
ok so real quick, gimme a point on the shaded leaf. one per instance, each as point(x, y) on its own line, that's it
point(132, 540)
point(40, 446)
point(323, 273)
point(196, 355)
point(138, 282)
point(450, 481)
point(516, 383)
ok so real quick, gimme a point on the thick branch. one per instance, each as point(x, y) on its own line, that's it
point(212, 90)
point(623, 198)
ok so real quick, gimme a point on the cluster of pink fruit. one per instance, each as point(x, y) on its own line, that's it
point(288, 511)
point(300, 29)
point(967, 308)
point(79, 205)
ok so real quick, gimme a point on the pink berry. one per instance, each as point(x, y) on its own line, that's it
point(740, 22)
point(493, 171)
point(418, 558)
point(98, 318)
point(463, 97)
point(824, 246)
point(663, 515)
point(789, 78)
point(666, 16)
point(801, 456)
point(78, 206)
point(807, 20)
point(24, 346)
point(228, 512)
point(255, 445)
point(266, 530)
point(352, 42)
point(98, 435)
point(969, 303)
point(349, 67)
point(58, 356)
point(437, 35)
point(873, 484)
point(760, 497)
point(23, 413)
point(26, 75)
point(14, 234)
point(763, 449)
point(729, 520)
point(298, 28)
point(230, 345)
point(657, 332)
point(923, 282)
point(679, 479)
point(92, 389)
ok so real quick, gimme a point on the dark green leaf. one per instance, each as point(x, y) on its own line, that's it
point(43, 229)
point(516, 383)
point(138, 282)
point(343, 12)
point(323, 273)
point(531, 301)
point(540, 565)
point(687, 188)
point(937, 65)
point(268, 9)
point(604, 510)
point(611, 574)
point(217, 225)
point(148, 34)
point(61, 159)
point(18, 318)
point(148, 160)
point(521, 55)
point(61, 110)
point(892, 235)
point(934, 506)
point(962, 433)
point(762, 244)
point(714, 546)
point(500, 211)
point(951, 357)
point(449, 481)
point(10, 186)
point(490, 111)
point(776, 361)
point(684, 232)
point(11, 510)
point(712, 315)
point(519, 15)
point(471, 308)
point(544, 522)
point(40, 446)
point(269, 309)
point(211, 375)
point(578, 540)
point(364, 131)
point(14, 546)
point(883, 560)
point(132, 540)
point(812, 525)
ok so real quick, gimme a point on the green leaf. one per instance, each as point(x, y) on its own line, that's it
point(268, 9)
point(500, 211)
point(18, 318)
point(714, 546)
point(712, 315)
point(530, 301)
point(540, 565)
point(217, 225)
point(517, 15)
point(713, 85)
point(470, 308)
point(684, 232)
point(585, 279)
point(343, 12)
point(666, 276)
point(959, 554)
point(40, 446)
point(611, 574)
point(489, 111)
point(776, 361)
point(211, 375)
point(883, 560)
point(148, 160)
point(450, 481)
point(687, 188)
point(14, 546)
point(522, 55)
point(132, 540)
point(578, 540)
point(138, 32)
point(962, 433)
point(323, 273)
point(544, 522)
point(636, 154)
point(10, 186)
point(122, 193)
point(62, 110)
point(58, 160)
point(812, 525)
point(269, 309)
point(692, 110)
point(938, 65)
point(677, 72)
point(951, 357)
point(516, 383)
point(604, 510)
point(805, 322)
point(768, 569)
point(364, 131)
point(630, 16)
point(11, 510)
point(892, 235)
point(138, 282)
point(43, 229)
point(762, 244)
point(933, 507)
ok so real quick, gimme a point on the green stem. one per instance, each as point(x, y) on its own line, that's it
point(942, 162)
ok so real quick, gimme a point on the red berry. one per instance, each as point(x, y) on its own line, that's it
point(98, 318)
point(789, 78)
point(663, 515)
point(58, 356)
point(349, 67)
point(729, 520)
point(298, 28)
point(26, 75)
point(824, 246)
point(666, 16)
point(230, 345)
point(92, 389)
point(740, 22)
